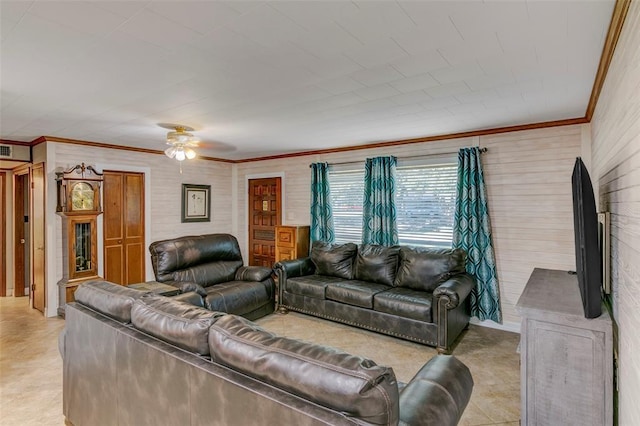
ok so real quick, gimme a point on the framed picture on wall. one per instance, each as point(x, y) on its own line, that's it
point(196, 203)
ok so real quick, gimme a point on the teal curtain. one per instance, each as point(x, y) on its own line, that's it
point(472, 232)
point(321, 213)
point(379, 206)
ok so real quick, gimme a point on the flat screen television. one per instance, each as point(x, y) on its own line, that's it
point(588, 259)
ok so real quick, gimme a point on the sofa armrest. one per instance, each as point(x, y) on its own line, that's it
point(454, 291)
point(437, 394)
point(295, 268)
point(253, 273)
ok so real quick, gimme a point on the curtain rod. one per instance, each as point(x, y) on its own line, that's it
point(407, 158)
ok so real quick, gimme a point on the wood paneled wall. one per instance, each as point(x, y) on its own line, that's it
point(615, 135)
point(528, 175)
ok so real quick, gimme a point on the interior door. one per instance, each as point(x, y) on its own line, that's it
point(123, 223)
point(3, 234)
point(21, 232)
point(38, 237)
point(265, 212)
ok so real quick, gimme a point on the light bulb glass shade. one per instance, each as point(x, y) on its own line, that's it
point(170, 152)
point(180, 155)
point(191, 154)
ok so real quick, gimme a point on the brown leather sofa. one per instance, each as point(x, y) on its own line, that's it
point(133, 358)
point(209, 273)
point(413, 293)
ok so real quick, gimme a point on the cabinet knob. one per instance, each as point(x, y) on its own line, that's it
point(119, 241)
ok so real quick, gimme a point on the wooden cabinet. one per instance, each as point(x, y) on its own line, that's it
point(292, 242)
point(566, 360)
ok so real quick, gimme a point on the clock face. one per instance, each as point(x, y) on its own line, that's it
point(82, 196)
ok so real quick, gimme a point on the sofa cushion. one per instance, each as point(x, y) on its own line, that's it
point(405, 303)
point(237, 297)
point(354, 292)
point(179, 259)
point(377, 264)
point(178, 323)
point(329, 377)
point(425, 269)
point(110, 299)
point(334, 260)
point(311, 285)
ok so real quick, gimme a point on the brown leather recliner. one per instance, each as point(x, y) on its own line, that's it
point(209, 271)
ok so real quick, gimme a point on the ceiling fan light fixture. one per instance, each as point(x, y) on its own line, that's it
point(181, 141)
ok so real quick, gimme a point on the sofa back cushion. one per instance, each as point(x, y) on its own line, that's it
point(334, 260)
point(351, 384)
point(203, 259)
point(376, 263)
point(112, 300)
point(179, 323)
point(425, 269)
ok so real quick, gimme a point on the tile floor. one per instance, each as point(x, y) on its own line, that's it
point(31, 368)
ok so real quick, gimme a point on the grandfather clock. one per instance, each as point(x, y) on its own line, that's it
point(79, 207)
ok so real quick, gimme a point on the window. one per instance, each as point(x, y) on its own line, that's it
point(425, 201)
point(347, 191)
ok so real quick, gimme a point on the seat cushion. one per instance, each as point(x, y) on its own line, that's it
point(405, 303)
point(350, 384)
point(237, 297)
point(424, 269)
point(112, 300)
point(178, 323)
point(334, 260)
point(311, 285)
point(354, 292)
point(377, 264)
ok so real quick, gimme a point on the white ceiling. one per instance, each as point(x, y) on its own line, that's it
point(264, 78)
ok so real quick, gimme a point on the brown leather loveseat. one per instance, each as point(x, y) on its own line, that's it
point(209, 271)
point(417, 294)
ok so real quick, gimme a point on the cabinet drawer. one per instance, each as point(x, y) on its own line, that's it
point(285, 254)
point(286, 237)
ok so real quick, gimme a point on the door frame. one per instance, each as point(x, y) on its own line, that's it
point(3, 233)
point(247, 178)
point(146, 171)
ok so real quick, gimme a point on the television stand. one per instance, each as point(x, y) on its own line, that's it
point(566, 360)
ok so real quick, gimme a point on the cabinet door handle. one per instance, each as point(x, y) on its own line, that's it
point(119, 241)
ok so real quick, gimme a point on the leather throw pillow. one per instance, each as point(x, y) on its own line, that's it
point(377, 264)
point(334, 260)
point(425, 269)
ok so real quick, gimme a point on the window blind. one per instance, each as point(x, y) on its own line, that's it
point(347, 192)
point(425, 204)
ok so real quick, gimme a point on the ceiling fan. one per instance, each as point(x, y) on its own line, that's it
point(181, 142)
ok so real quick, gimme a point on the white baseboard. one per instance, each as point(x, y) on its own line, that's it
point(513, 327)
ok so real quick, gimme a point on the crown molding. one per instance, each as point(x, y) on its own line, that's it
point(613, 34)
